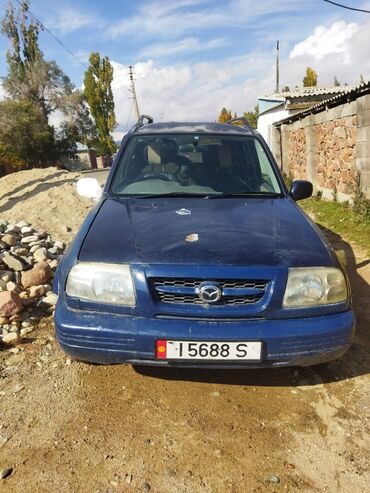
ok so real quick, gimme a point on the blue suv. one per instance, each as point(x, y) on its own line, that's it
point(197, 255)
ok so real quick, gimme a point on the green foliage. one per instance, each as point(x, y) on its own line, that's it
point(310, 79)
point(285, 89)
point(252, 116)
point(336, 82)
point(43, 87)
point(30, 76)
point(225, 116)
point(99, 96)
point(318, 195)
point(25, 139)
point(340, 219)
point(360, 204)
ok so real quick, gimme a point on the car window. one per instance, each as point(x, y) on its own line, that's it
point(194, 164)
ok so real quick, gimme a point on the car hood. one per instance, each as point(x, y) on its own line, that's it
point(228, 231)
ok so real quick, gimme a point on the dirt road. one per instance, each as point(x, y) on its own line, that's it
point(70, 427)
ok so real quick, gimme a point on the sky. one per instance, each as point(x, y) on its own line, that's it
point(193, 57)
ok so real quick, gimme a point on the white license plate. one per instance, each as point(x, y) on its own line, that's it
point(202, 350)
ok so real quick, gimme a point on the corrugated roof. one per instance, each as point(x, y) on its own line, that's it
point(351, 95)
point(309, 91)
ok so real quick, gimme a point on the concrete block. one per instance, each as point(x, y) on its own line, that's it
point(363, 118)
point(363, 103)
point(363, 149)
point(363, 134)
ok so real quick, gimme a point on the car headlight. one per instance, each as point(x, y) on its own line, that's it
point(314, 286)
point(105, 283)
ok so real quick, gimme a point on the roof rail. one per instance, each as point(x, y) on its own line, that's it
point(140, 122)
point(239, 119)
point(144, 117)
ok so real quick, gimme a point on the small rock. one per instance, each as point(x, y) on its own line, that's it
point(50, 300)
point(40, 254)
point(59, 244)
point(10, 303)
point(38, 275)
point(26, 230)
point(29, 239)
point(146, 487)
point(274, 479)
point(9, 239)
point(10, 338)
point(14, 262)
point(5, 472)
point(12, 228)
point(11, 286)
point(21, 251)
point(26, 330)
point(215, 394)
point(37, 291)
point(128, 478)
point(18, 388)
point(4, 320)
point(6, 275)
point(21, 224)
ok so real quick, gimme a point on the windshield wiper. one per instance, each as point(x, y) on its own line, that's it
point(161, 195)
point(246, 194)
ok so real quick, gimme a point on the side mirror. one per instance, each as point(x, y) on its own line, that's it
point(89, 187)
point(301, 189)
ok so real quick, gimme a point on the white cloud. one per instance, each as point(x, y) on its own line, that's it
point(198, 91)
point(69, 19)
point(327, 40)
point(169, 19)
point(186, 45)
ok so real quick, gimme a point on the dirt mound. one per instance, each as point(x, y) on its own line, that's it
point(46, 198)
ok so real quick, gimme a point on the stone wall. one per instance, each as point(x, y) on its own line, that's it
point(336, 155)
point(330, 148)
point(297, 154)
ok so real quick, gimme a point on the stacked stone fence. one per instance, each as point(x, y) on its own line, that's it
point(330, 148)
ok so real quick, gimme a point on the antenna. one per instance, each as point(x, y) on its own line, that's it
point(277, 67)
point(132, 90)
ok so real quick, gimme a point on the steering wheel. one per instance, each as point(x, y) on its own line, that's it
point(156, 176)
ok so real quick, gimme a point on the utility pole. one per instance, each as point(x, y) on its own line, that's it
point(277, 67)
point(132, 90)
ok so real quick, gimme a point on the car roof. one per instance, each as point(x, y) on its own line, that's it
point(194, 127)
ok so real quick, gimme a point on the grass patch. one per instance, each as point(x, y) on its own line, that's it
point(339, 218)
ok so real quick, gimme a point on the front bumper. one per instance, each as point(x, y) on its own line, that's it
point(111, 338)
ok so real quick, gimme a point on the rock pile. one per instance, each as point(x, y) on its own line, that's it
point(28, 260)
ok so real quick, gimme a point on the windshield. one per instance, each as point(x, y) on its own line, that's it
point(194, 164)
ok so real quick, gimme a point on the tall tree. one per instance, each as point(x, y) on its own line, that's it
point(310, 79)
point(99, 97)
point(224, 116)
point(24, 137)
point(252, 116)
point(33, 80)
point(30, 76)
point(336, 81)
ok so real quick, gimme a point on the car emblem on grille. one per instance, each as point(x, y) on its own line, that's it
point(209, 292)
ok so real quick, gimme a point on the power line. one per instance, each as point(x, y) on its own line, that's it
point(346, 7)
point(52, 35)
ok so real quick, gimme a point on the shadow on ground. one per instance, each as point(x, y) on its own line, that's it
point(354, 363)
point(42, 187)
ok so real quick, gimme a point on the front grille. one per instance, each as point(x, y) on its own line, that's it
point(185, 290)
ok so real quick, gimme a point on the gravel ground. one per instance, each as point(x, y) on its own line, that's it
point(73, 427)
